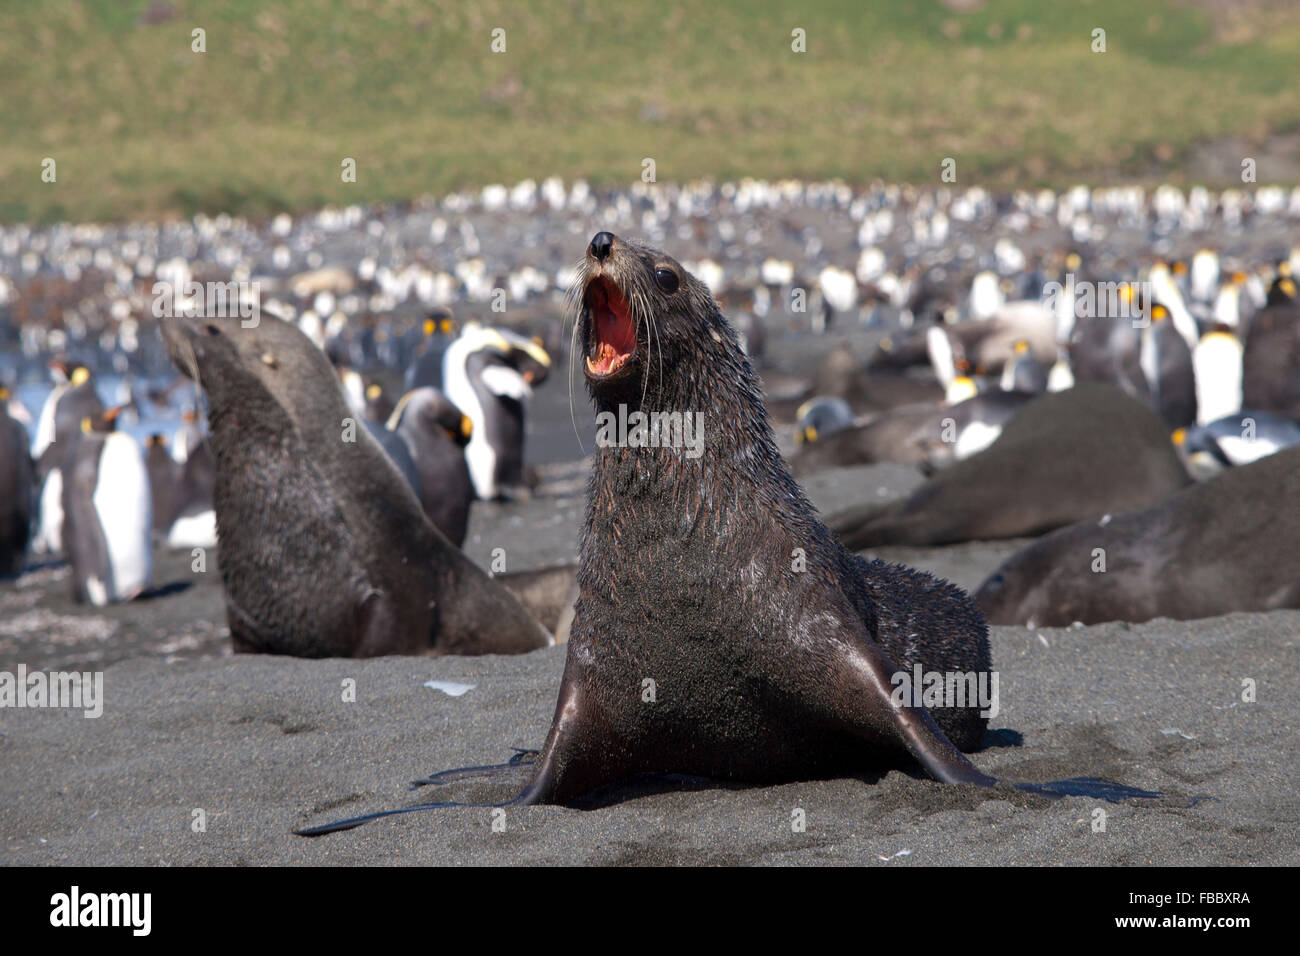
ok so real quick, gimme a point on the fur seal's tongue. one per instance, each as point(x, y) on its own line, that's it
point(612, 335)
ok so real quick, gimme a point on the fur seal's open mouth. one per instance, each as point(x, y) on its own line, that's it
point(610, 331)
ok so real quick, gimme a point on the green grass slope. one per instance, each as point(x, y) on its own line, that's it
point(141, 126)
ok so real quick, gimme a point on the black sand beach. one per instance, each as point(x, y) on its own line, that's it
point(264, 745)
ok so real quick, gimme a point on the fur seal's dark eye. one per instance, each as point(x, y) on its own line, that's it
point(213, 330)
point(666, 279)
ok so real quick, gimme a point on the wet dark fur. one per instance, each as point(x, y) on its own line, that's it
point(687, 578)
point(324, 550)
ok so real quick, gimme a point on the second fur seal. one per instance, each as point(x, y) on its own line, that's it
point(324, 550)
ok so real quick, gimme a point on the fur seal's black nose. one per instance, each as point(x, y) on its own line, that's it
point(601, 245)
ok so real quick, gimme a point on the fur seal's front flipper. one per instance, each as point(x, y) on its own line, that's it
point(577, 731)
point(944, 762)
point(922, 736)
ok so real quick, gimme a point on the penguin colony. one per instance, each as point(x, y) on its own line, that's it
point(944, 314)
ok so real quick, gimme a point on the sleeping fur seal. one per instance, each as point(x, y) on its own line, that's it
point(1230, 544)
point(1064, 457)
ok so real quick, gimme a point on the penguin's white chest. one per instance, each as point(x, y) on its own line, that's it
point(123, 505)
point(49, 539)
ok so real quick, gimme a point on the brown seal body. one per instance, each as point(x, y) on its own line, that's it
point(323, 548)
point(1064, 457)
point(720, 630)
point(1230, 544)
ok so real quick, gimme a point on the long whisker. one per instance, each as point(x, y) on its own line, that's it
point(643, 318)
point(573, 312)
point(659, 344)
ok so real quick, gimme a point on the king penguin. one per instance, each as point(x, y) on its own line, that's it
point(490, 374)
point(435, 433)
point(1234, 440)
point(1272, 353)
point(108, 514)
point(426, 368)
point(1217, 363)
point(73, 399)
point(1166, 365)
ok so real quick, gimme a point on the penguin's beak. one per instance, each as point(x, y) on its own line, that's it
point(462, 435)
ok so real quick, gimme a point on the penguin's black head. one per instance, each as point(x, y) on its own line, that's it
point(529, 362)
point(439, 322)
point(638, 312)
point(430, 411)
point(1282, 291)
point(820, 417)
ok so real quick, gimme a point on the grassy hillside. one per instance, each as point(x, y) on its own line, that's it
point(140, 126)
